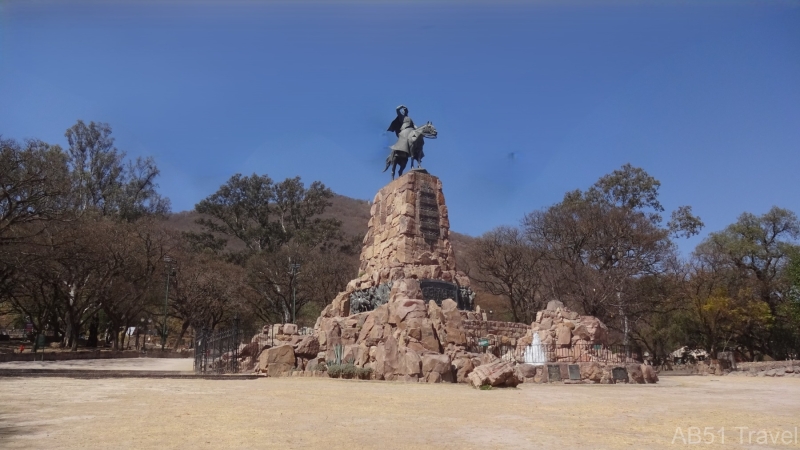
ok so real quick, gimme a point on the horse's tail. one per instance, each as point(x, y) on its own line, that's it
point(389, 161)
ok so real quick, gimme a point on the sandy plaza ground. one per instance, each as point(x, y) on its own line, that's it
point(135, 413)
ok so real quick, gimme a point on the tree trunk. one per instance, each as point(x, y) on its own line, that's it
point(65, 341)
point(75, 332)
point(184, 327)
point(93, 326)
point(113, 326)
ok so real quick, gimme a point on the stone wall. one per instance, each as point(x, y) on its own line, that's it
point(501, 333)
point(789, 368)
point(589, 373)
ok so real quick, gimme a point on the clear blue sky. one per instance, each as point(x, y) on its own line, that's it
point(530, 99)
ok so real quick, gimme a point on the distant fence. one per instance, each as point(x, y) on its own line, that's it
point(21, 333)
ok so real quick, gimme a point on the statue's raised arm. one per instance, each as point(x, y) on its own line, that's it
point(401, 121)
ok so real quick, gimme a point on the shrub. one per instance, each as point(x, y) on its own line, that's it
point(348, 370)
point(363, 373)
point(334, 370)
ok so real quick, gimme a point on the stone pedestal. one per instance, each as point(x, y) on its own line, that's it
point(408, 237)
point(409, 232)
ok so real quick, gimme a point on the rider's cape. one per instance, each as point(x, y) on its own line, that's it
point(399, 123)
point(396, 124)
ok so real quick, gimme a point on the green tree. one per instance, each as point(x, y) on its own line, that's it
point(104, 181)
point(752, 260)
point(759, 247)
point(278, 224)
point(264, 215)
point(600, 243)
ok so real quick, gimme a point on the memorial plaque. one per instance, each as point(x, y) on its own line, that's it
point(553, 373)
point(438, 290)
point(428, 214)
point(564, 371)
point(574, 372)
point(619, 374)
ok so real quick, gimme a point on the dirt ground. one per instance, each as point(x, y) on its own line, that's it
point(63, 413)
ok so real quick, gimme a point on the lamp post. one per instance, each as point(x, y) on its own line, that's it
point(139, 334)
point(295, 269)
point(170, 264)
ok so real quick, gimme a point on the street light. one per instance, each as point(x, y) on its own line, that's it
point(295, 269)
point(139, 334)
point(170, 264)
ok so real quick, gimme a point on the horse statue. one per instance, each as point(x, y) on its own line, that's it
point(410, 142)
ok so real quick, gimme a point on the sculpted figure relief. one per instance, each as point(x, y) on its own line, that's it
point(410, 141)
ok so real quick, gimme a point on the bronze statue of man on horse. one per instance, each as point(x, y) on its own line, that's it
point(410, 141)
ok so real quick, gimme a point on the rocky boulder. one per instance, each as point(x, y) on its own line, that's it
point(463, 366)
point(596, 331)
point(635, 374)
point(405, 289)
point(308, 347)
point(649, 374)
point(554, 305)
point(437, 368)
point(592, 372)
point(277, 360)
point(563, 335)
point(526, 370)
point(403, 310)
point(498, 373)
point(250, 350)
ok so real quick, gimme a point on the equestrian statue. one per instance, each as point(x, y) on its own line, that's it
point(410, 141)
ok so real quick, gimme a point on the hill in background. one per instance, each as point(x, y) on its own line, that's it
point(354, 215)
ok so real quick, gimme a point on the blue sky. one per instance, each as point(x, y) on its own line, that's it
point(531, 99)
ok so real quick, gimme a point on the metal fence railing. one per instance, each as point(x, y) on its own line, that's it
point(218, 351)
point(552, 352)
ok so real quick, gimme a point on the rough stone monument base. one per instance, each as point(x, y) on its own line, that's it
point(409, 314)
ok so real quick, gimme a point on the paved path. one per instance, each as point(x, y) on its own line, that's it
point(148, 364)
